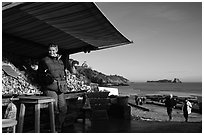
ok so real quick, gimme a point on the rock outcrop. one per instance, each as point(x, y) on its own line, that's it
point(175, 80)
point(100, 78)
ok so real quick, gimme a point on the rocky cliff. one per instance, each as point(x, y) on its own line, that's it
point(100, 78)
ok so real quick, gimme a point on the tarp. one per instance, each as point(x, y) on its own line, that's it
point(8, 69)
point(28, 28)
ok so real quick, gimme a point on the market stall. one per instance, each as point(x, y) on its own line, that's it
point(28, 28)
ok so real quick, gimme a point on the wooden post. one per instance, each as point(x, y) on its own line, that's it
point(65, 59)
point(21, 118)
point(37, 118)
point(52, 117)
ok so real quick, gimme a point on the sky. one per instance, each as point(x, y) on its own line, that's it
point(167, 41)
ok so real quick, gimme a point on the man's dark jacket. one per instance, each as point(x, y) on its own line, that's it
point(50, 69)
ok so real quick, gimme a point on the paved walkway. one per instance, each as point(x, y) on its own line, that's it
point(134, 126)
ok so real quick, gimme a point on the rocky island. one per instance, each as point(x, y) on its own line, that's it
point(175, 80)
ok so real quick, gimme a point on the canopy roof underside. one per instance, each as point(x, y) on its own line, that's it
point(28, 28)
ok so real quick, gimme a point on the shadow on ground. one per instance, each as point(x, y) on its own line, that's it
point(133, 126)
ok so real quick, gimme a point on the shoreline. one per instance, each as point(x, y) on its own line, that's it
point(131, 91)
point(158, 113)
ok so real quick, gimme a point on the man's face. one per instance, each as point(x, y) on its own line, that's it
point(53, 51)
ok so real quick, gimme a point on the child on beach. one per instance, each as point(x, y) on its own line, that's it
point(186, 109)
point(170, 103)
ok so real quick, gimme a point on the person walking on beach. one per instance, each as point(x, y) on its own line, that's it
point(170, 103)
point(51, 72)
point(186, 109)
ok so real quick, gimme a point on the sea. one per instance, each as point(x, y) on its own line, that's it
point(147, 88)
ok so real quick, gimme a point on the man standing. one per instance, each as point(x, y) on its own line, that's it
point(51, 71)
point(187, 106)
point(170, 103)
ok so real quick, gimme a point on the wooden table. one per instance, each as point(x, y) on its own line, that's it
point(37, 101)
point(75, 94)
point(6, 101)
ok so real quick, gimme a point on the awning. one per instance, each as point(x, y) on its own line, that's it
point(28, 28)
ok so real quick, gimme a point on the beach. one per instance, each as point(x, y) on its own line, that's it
point(158, 112)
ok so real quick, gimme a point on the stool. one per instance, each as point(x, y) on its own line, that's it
point(6, 123)
point(37, 101)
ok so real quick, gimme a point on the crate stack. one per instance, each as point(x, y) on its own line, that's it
point(99, 103)
point(119, 108)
